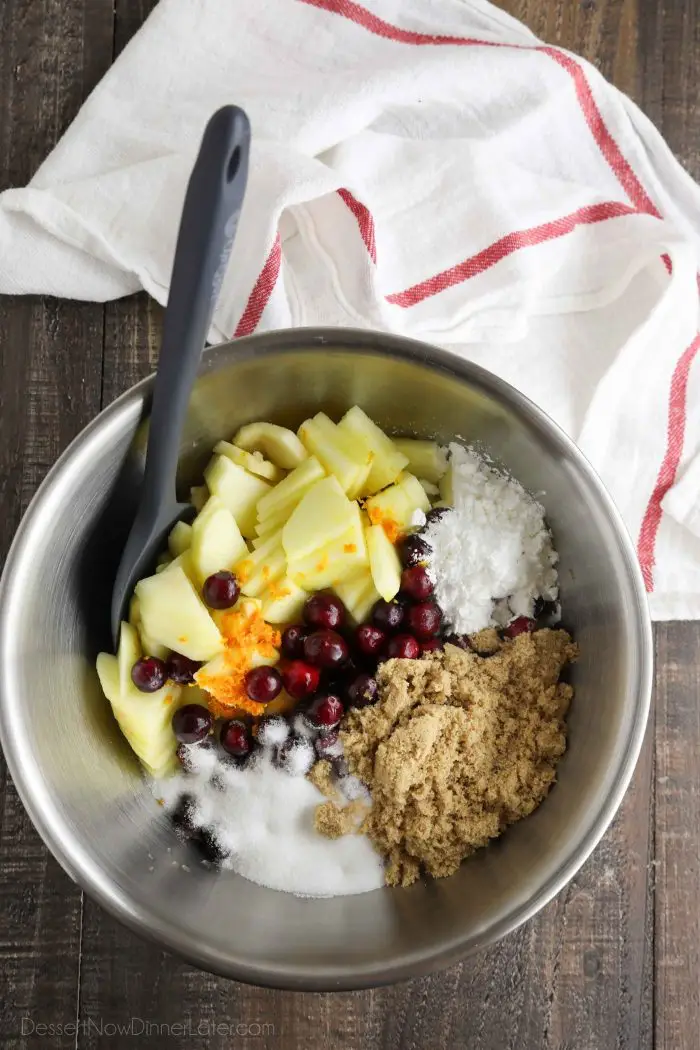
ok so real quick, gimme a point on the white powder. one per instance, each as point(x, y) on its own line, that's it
point(265, 817)
point(492, 554)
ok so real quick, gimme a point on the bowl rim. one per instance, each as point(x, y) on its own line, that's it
point(76, 861)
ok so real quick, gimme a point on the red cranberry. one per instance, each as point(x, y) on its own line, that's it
point(433, 645)
point(424, 620)
point(185, 752)
point(521, 625)
point(325, 649)
point(324, 610)
point(181, 669)
point(149, 674)
point(211, 849)
point(326, 710)
point(416, 583)
point(235, 738)
point(293, 641)
point(388, 616)
point(301, 679)
point(263, 684)
point(363, 690)
point(326, 742)
point(221, 590)
point(404, 647)
point(460, 640)
point(191, 723)
point(435, 514)
point(413, 550)
point(184, 813)
point(370, 640)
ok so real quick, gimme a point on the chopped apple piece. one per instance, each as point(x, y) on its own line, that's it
point(395, 506)
point(149, 647)
point(180, 538)
point(383, 562)
point(253, 462)
point(327, 566)
point(323, 515)
point(283, 601)
point(184, 562)
point(266, 535)
point(358, 594)
point(216, 542)
point(134, 612)
point(128, 653)
point(388, 461)
point(415, 493)
point(173, 614)
point(284, 497)
point(446, 487)
point(199, 494)
point(430, 488)
point(317, 434)
point(349, 447)
point(255, 573)
point(426, 459)
point(237, 489)
point(164, 559)
point(280, 445)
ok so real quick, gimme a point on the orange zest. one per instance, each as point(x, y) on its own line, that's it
point(276, 590)
point(322, 564)
point(349, 548)
point(249, 641)
point(390, 526)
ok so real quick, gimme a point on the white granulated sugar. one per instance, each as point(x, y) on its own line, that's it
point(492, 547)
point(265, 817)
point(272, 732)
point(299, 756)
point(302, 727)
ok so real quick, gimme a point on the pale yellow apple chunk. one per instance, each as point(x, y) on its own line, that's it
point(358, 594)
point(199, 494)
point(267, 535)
point(283, 601)
point(253, 462)
point(327, 566)
point(426, 459)
point(388, 461)
point(180, 538)
point(336, 461)
point(256, 574)
point(149, 647)
point(415, 493)
point(446, 486)
point(174, 615)
point(323, 515)
point(346, 445)
point(278, 444)
point(283, 498)
point(238, 490)
point(216, 543)
point(383, 562)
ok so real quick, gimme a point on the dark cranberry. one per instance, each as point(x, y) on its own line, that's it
point(435, 514)
point(546, 609)
point(433, 645)
point(183, 816)
point(521, 625)
point(404, 647)
point(340, 766)
point(149, 674)
point(293, 641)
point(325, 649)
point(301, 679)
point(221, 590)
point(263, 684)
point(416, 583)
point(326, 742)
point(324, 610)
point(413, 550)
point(460, 640)
point(235, 738)
point(370, 640)
point(185, 752)
point(326, 710)
point(388, 616)
point(296, 757)
point(363, 690)
point(181, 669)
point(192, 723)
point(424, 620)
point(210, 847)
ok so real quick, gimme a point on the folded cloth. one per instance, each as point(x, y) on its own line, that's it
point(421, 166)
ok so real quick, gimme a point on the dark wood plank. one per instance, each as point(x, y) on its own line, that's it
point(51, 55)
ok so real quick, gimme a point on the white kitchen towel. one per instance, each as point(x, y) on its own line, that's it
point(420, 166)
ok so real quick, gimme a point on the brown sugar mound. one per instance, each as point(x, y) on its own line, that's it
point(458, 747)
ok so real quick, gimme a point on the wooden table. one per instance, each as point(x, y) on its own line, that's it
point(615, 960)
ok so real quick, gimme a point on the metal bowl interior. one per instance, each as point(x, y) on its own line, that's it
point(83, 789)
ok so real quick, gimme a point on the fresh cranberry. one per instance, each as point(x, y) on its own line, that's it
point(210, 847)
point(521, 625)
point(325, 711)
point(301, 679)
point(433, 645)
point(388, 616)
point(221, 590)
point(435, 514)
point(185, 752)
point(293, 641)
point(424, 620)
point(413, 550)
point(149, 674)
point(324, 610)
point(363, 690)
point(326, 742)
point(263, 684)
point(404, 647)
point(325, 649)
point(181, 669)
point(416, 583)
point(191, 723)
point(184, 813)
point(235, 738)
point(460, 640)
point(370, 640)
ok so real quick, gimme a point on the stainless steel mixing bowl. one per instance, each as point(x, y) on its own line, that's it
point(81, 786)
